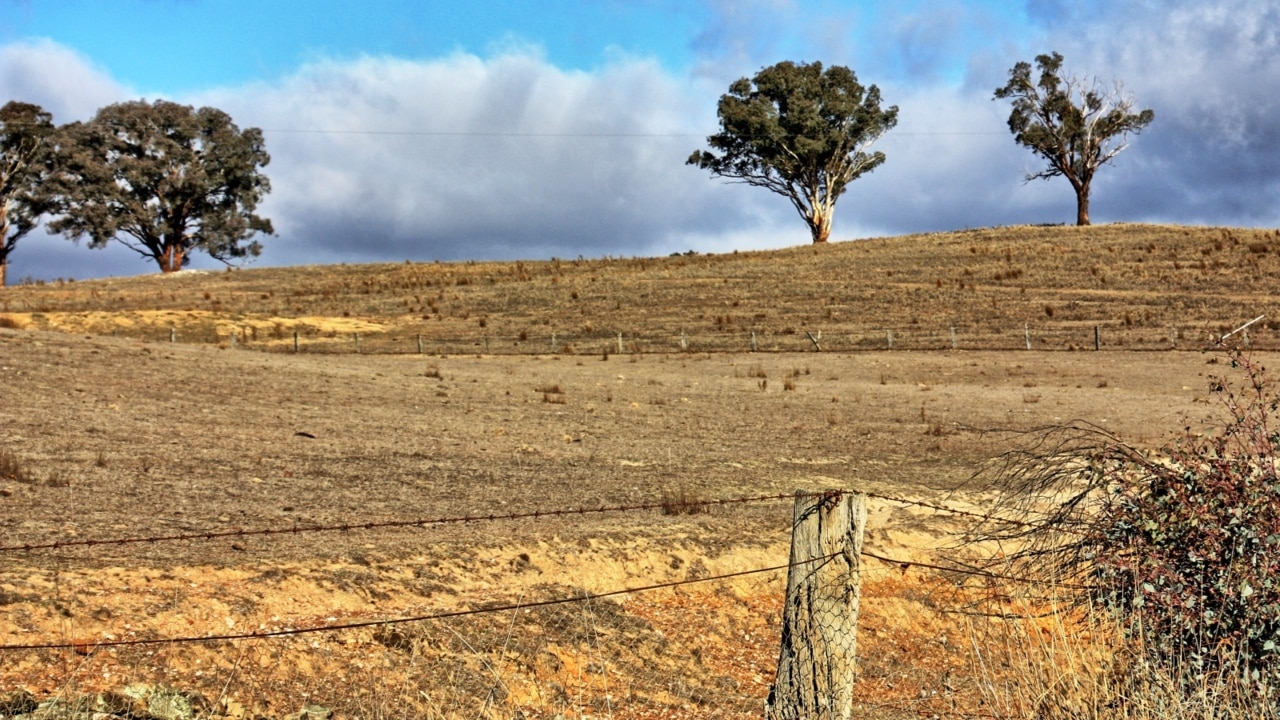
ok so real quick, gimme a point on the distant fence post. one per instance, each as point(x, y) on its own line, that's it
point(819, 621)
point(357, 341)
point(173, 334)
point(755, 346)
point(619, 343)
point(814, 340)
point(295, 340)
point(888, 336)
point(953, 337)
point(1026, 334)
point(419, 344)
point(1097, 338)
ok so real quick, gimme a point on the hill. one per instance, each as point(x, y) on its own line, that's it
point(1143, 286)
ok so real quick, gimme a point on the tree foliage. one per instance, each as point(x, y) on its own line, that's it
point(1075, 125)
point(1183, 543)
point(164, 179)
point(25, 138)
point(801, 131)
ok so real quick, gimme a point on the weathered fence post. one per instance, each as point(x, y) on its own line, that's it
point(357, 342)
point(619, 343)
point(953, 337)
point(684, 342)
point(419, 344)
point(173, 334)
point(754, 345)
point(295, 340)
point(1026, 333)
point(888, 334)
point(814, 340)
point(1097, 338)
point(819, 622)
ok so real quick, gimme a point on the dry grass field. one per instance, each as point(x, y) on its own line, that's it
point(110, 431)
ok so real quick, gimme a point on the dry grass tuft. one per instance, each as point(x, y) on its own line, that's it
point(683, 502)
point(11, 468)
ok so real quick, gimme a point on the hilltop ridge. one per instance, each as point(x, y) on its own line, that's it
point(1146, 286)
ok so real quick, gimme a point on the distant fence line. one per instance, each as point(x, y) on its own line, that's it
point(605, 343)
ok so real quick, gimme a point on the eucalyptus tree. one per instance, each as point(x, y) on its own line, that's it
point(26, 133)
point(163, 179)
point(1075, 124)
point(801, 131)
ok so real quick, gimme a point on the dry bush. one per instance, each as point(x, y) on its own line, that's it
point(1057, 662)
point(683, 502)
point(11, 468)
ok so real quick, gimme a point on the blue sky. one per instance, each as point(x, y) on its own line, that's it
point(599, 103)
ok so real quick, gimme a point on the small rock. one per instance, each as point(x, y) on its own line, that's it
point(315, 712)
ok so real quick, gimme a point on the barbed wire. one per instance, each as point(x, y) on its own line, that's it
point(679, 505)
point(945, 509)
point(269, 634)
point(976, 572)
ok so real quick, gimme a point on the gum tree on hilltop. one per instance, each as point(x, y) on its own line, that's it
point(1075, 125)
point(25, 137)
point(164, 180)
point(801, 131)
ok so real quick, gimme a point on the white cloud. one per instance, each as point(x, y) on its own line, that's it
point(56, 78)
point(466, 157)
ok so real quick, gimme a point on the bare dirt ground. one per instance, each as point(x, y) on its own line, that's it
point(121, 438)
point(108, 431)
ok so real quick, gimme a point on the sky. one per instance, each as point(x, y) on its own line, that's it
point(424, 130)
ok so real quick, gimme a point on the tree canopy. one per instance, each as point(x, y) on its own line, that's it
point(802, 132)
point(1075, 125)
point(163, 179)
point(25, 132)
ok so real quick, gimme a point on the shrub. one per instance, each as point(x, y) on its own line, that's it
point(1183, 544)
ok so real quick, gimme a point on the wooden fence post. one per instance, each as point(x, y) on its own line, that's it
point(814, 340)
point(820, 619)
point(1097, 338)
point(295, 340)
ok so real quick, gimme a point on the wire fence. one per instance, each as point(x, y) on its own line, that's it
point(1057, 337)
point(701, 645)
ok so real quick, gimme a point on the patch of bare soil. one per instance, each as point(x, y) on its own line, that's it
point(118, 438)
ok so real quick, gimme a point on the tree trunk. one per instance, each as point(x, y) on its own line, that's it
point(4, 269)
point(1082, 205)
point(819, 622)
point(820, 226)
point(170, 259)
